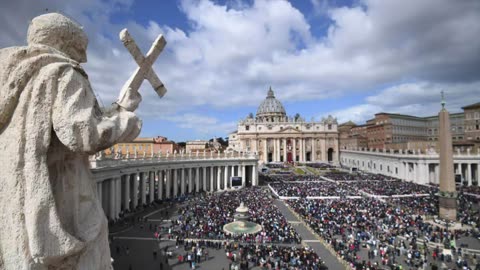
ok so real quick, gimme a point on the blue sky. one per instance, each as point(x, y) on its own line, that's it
point(348, 59)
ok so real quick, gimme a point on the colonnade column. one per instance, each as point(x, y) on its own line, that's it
point(284, 149)
point(219, 178)
point(212, 175)
point(469, 174)
point(143, 179)
point(242, 167)
point(204, 178)
point(126, 190)
point(160, 185)
point(406, 172)
point(275, 149)
point(111, 205)
point(135, 190)
point(190, 180)
point(151, 186)
point(182, 181)
point(197, 180)
point(225, 180)
point(175, 183)
point(168, 183)
point(118, 196)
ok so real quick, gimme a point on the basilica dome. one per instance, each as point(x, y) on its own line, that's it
point(271, 108)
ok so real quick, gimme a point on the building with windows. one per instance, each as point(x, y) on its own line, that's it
point(196, 145)
point(144, 147)
point(400, 131)
point(472, 122)
point(276, 137)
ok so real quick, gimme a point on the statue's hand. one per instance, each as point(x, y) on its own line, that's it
point(130, 100)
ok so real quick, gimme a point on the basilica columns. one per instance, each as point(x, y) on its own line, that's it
point(265, 150)
point(313, 154)
point(294, 149)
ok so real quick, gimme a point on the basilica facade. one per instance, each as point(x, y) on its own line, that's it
point(276, 137)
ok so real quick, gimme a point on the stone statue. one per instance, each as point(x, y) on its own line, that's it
point(50, 122)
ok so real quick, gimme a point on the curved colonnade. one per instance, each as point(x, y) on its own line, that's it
point(125, 184)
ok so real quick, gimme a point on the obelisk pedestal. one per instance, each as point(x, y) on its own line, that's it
point(447, 194)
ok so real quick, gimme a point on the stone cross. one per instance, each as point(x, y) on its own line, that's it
point(144, 70)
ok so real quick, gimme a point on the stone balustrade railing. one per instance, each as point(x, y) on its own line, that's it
point(413, 152)
point(99, 161)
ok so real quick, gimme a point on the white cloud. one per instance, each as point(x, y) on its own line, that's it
point(206, 126)
point(418, 99)
point(233, 52)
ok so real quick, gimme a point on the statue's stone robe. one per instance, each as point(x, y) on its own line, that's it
point(50, 123)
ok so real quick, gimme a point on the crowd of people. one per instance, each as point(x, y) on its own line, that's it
point(273, 257)
point(472, 190)
point(313, 189)
point(390, 188)
point(321, 166)
point(369, 231)
point(294, 178)
point(360, 176)
point(203, 217)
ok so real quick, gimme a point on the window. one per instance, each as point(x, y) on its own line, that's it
point(329, 126)
point(247, 127)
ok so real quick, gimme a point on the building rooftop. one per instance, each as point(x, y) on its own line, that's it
point(472, 106)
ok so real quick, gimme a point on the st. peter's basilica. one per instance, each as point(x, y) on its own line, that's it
point(277, 137)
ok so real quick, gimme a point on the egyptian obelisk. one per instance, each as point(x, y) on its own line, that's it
point(447, 195)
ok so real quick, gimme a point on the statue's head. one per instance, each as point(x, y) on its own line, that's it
point(58, 31)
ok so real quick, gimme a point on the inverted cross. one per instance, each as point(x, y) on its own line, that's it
point(144, 69)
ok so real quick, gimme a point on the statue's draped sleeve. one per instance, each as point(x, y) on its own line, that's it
point(80, 124)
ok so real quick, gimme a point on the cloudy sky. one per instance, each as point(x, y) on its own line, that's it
point(351, 59)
